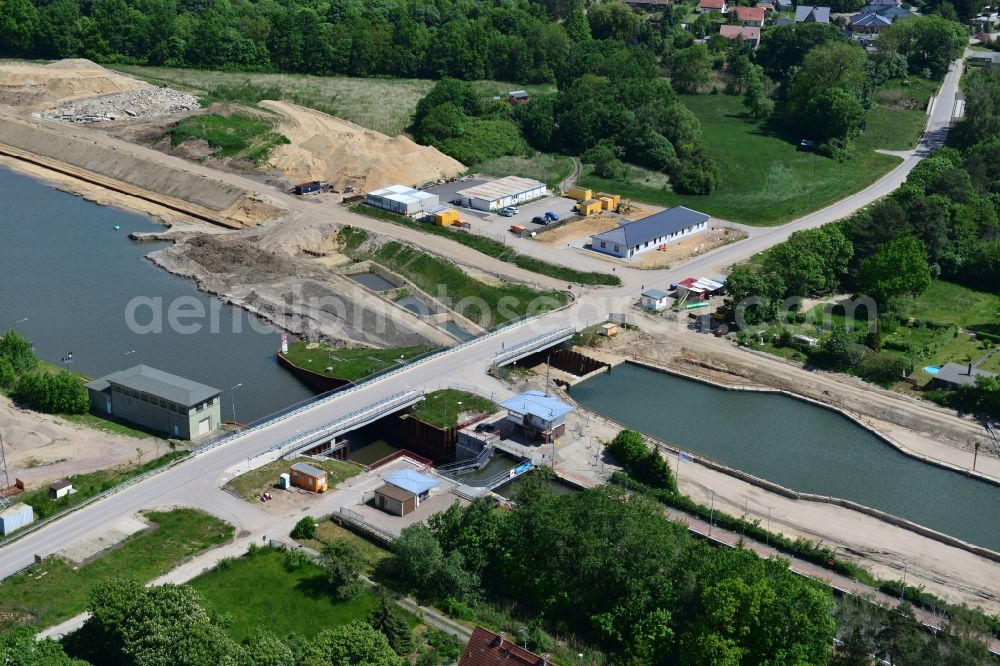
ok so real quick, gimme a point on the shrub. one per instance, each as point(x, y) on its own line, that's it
point(305, 528)
point(7, 376)
point(18, 352)
point(57, 393)
point(627, 447)
point(884, 367)
point(646, 465)
point(296, 559)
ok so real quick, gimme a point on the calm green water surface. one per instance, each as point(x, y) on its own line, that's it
point(798, 445)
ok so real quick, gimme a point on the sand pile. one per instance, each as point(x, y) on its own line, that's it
point(31, 86)
point(327, 148)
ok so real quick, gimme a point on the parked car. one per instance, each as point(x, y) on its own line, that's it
point(506, 212)
point(510, 209)
point(551, 217)
point(807, 145)
point(538, 219)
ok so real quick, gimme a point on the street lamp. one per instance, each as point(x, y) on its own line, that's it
point(711, 522)
point(902, 592)
point(232, 396)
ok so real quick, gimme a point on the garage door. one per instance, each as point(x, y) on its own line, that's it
point(204, 426)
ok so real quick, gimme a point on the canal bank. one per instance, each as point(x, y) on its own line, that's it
point(800, 446)
point(74, 283)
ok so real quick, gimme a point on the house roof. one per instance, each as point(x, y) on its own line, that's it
point(653, 226)
point(395, 492)
point(748, 32)
point(500, 188)
point(655, 294)
point(956, 373)
point(518, 94)
point(750, 13)
point(712, 4)
point(59, 485)
point(782, 4)
point(812, 14)
point(700, 284)
point(537, 404)
point(156, 382)
point(488, 649)
point(784, 21)
point(414, 482)
point(891, 12)
point(866, 20)
point(306, 468)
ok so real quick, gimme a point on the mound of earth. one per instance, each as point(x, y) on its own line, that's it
point(327, 148)
point(39, 87)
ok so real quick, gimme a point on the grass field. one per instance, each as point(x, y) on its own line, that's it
point(486, 304)
point(328, 531)
point(251, 485)
point(54, 591)
point(765, 180)
point(384, 105)
point(349, 364)
point(549, 168)
point(238, 135)
point(488, 246)
point(89, 485)
point(950, 303)
point(259, 590)
point(441, 408)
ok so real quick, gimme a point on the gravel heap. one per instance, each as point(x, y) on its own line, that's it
point(143, 103)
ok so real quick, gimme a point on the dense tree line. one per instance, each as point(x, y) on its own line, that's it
point(609, 568)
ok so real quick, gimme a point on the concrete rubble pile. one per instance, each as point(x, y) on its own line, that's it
point(143, 103)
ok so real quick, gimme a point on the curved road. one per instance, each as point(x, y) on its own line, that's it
point(196, 481)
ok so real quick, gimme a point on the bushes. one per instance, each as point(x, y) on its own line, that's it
point(58, 393)
point(646, 465)
point(884, 367)
point(305, 528)
point(17, 352)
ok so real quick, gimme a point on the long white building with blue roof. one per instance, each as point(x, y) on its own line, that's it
point(649, 233)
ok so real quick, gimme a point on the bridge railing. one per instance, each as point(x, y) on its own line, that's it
point(530, 344)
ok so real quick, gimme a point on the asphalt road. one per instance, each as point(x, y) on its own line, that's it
point(196, 482)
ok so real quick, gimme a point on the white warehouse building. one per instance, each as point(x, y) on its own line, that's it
point(497, 194)
point(649, 233)
point(402, 200)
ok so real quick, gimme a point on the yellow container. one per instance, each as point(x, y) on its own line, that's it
point(589, 207)
point(579, 193)
point(446, 218)
point(615, 199)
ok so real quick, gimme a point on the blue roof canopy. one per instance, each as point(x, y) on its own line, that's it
point(655, 293)
point(538, 405)
point(415, 482)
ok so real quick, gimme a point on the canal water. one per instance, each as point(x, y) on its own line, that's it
point(66, 281)
point(372, 281)
point(798, 445)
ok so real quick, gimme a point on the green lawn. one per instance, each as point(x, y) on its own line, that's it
point(238, 135)
point(328, 531)
point(486, 304)
point(913, 92)
point(765, 180)
point(894, 129)
point(258, 590)
point(349, 364)
point(549, 168)
point(53, 591)
point(88, 485)
point(251, 485)
point(359, 100)
point(950, 303)
point(441, 408)
point(488, 246)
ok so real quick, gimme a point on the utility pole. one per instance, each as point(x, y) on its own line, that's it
point(232, 396)
point(975, 455)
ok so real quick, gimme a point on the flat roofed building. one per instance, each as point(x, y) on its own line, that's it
point(394, 500)
point(654, 299)
point(649, 233)
point(414, 482)
point(402, 200)
point(158, 401)
point(537, 415)
point(953, 375)
point(307, 477)
point(501, 193)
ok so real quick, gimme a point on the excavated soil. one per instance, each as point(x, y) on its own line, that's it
point(327, 148)
point(30, 86)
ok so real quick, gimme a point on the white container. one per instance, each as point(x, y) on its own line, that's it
point(15, 517)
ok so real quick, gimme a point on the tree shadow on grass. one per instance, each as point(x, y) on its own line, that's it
point(317, 586)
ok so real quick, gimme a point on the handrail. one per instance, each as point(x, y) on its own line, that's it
point(503, 356)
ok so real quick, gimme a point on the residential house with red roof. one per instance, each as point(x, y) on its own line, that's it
point(717, 6)
point(488, 649)
point(750, 34)
point(749, 16)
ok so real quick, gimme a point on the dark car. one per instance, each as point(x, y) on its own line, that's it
point(538, 219)
point(551, 217)
point(486, 427)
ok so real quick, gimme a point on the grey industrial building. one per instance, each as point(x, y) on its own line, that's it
point(158, 401)
point(501, 193)
point(649, 233)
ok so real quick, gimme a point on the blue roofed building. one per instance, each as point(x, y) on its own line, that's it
point(654, 299)
point(402, 492)
point(538, 416)
point(415, 482)
point(649, 233)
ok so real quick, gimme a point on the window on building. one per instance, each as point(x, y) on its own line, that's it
point(603, 244)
